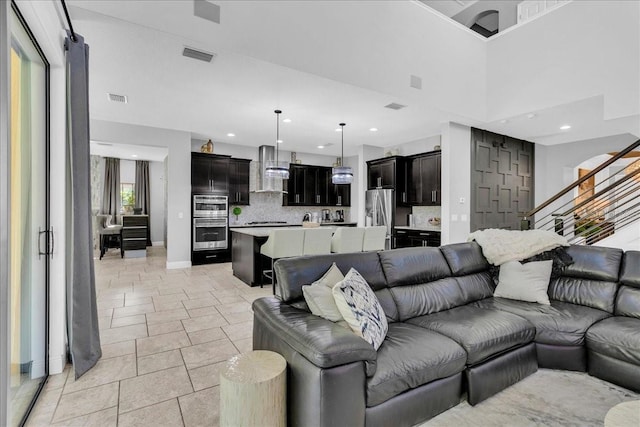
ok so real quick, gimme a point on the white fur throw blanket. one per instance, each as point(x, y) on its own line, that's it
point(500, 246)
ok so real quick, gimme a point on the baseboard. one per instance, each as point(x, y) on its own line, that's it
point(178, 264)
point(57, 364)
point(158, 243)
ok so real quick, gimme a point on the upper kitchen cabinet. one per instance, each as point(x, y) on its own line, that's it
point(340, 195)
point(239, 181)
point(310, 185)
point(389, 172)
point(209, 173)
point(424, 187)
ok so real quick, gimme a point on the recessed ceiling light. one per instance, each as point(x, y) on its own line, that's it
point(286, 121)
point(320, 146)
point(373, 129)
point(531, 115)
point(134, 155)
point(279, 141)
point(504, 121)
point(338, 130)
point(231, 134)
point(565, 127)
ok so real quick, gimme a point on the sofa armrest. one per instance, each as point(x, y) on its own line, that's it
point(322, 342)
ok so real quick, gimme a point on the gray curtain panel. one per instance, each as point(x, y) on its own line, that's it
point(142, 192)
point(82, 314)
point(111, 189)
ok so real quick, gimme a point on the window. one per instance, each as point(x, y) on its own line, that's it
point(127, 197)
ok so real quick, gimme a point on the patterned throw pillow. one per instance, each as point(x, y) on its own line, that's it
point(319, 297)
point(360, 308)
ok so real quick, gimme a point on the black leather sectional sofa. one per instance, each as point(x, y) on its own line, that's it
point(447, 333)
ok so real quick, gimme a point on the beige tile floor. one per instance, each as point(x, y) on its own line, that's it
point(165, 335)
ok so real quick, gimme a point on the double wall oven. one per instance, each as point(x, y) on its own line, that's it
point(210, 222)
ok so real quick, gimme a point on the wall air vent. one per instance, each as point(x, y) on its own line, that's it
point(198, 54)
point(117, 98)
point(395, 106)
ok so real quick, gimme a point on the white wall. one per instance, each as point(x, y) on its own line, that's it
point(456, 178)
point(566, 56)
point(157, 214)
point(421, 145)
point(178, 144)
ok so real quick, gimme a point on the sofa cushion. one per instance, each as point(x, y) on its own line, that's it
point(617, 337)
point(630, 273)
point(482, 333)
point(444, 294)
point(409, 266)
point(465, 258)
point(594, 263)
point(560, 323)
point(409, 357)
point(628, 302)
point(293, 273)
point(596, 294)
point(524, 282)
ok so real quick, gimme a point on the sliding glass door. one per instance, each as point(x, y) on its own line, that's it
point(28, 236)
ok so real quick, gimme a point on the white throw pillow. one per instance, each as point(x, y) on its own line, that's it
point(319, 297)
point(524, 282)
point(360, 308)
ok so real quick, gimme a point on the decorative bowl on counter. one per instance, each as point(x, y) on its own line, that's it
point(434, 221)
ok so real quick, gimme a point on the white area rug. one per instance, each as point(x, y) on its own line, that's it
point(546, 398)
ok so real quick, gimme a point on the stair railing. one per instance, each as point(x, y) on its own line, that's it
point(596, 212)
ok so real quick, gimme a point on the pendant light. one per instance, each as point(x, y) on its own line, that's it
point(276, 168)
point(342, 174)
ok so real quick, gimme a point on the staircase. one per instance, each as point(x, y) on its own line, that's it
point(597, 209)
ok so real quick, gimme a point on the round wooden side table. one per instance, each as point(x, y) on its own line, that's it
point(625, 414)
point(253, 390)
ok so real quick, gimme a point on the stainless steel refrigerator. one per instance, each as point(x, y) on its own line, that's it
point(380, 210)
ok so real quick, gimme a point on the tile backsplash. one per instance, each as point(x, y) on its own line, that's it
point(268, 207)
point(421, 214)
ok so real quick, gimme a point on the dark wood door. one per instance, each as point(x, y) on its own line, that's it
point(341, 195)
point(219, 175)
point(414, 186)
point(502, 177)
point(323, 186)
point(239, 181)
point(295, 185)
point(200, 179)
point(430, 180)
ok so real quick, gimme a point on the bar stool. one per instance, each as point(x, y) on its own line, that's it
point(347, 239)
point(374, 238)
point(281, 244)
point(317, 241)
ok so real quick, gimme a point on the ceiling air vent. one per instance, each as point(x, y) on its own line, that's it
point(117, 98)
point(395, 106)
point(415, 82)
point(197, 54)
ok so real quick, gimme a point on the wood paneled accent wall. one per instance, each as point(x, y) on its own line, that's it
point(502, 177)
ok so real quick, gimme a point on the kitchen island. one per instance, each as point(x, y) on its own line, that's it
point(246, 260)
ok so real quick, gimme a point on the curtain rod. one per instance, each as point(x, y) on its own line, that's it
point(66, 14)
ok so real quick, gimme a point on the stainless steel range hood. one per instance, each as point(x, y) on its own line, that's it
point(263, 183)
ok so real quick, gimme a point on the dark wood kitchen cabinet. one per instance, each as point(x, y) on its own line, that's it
point(424, 187)
point(310, 185)
point(410, 238)
point(239, 181)
point(209, 173)
point(389, 172)
point(340, 195)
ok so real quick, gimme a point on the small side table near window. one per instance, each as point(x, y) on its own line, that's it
point(134, 235)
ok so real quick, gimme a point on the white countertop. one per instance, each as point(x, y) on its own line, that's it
point(264, 231)
point(420, 228)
